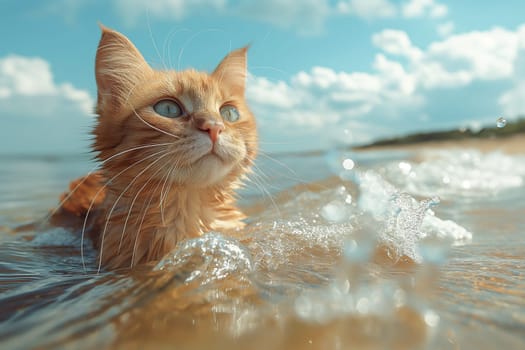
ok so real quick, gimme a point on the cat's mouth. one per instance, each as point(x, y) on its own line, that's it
point(209, 156)
point(216, 154)
point(213, 155)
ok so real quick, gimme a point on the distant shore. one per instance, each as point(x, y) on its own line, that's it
point(511, 145)
point(509, 139)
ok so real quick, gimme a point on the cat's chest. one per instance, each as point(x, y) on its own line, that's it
point(182, 215)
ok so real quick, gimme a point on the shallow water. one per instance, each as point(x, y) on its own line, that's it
point(391, 250)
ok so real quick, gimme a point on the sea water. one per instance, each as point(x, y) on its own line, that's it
point(371, 250)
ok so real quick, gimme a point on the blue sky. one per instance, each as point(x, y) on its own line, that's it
point(322, 72)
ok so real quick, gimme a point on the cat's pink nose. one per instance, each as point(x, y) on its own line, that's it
point(213, 128)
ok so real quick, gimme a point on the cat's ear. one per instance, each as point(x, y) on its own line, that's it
point(232, 71)
point(119, 67)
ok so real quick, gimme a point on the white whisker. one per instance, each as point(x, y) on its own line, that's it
point(264, 191)
point(133, 203)
point(164, 195)
point(96, 196)
point(295, 176)
point(153, 40)
point(115, 205)
point(96, 168)
point(154, 127)
point(278, 162)
point(138, 231)
point(181, 51)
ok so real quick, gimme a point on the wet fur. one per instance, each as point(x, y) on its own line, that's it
point(159, 182)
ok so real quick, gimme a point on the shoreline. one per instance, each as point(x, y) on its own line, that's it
point(512, 145)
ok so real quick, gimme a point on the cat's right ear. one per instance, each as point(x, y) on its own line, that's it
point(119, 67)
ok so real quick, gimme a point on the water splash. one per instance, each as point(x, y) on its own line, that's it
point(402, 229)
point(405, 220)
point(277, 249)
point(208, 258)
point(447, 230)
point(455, 173)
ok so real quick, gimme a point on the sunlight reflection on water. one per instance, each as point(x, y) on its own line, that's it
point(368, 257)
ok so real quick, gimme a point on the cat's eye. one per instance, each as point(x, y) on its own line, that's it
point(168, 109)
point(230, 113)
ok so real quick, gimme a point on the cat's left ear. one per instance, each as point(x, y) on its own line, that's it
point(232, 71)
point(119, 68)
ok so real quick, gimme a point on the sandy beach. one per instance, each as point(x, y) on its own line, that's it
point(510, 145)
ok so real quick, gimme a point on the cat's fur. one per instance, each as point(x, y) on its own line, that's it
point(161, 180)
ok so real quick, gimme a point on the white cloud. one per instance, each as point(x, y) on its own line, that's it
point(438, 11)
point(274, 95)
point(307, 16)
point(320, 104)
point(24, 78)
point(485, 55)
point(424, 8)
point(396, 42)
point(131, 10)
point(38, 114)
point(304, 16)
point(68, 10)
point(445, 29)
point(367, 8)
point(456, 60)
point(512, 101)
point(409, 88)
point(4, 92)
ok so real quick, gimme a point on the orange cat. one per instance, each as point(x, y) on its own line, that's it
point(173, 148)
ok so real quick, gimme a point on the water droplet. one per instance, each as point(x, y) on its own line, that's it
point(348, 199)
point(339, 161)
point(465, 184)
point(400, 297)
point(348, 164)
point(405, 167)
point(431, 318)
point(303, 307)
point(335, 211)
point(345, 286)
point(501, 122)
point(363, 305)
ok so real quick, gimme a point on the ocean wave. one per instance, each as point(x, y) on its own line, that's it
point(451, 173)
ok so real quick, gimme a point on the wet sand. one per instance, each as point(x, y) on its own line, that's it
point(510, 145)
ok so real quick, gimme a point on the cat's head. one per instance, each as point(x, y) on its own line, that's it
point(190, 127)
